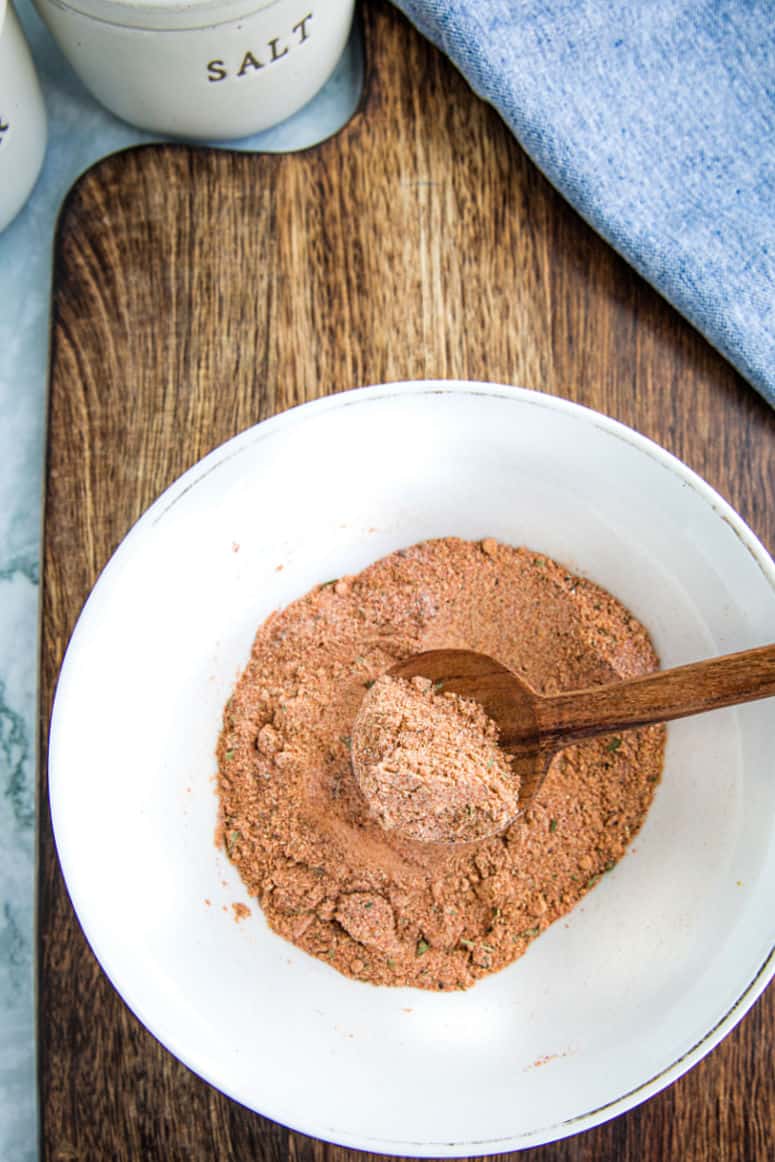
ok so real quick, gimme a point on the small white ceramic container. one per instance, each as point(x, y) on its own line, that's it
point(207, 69)
point(22, 118)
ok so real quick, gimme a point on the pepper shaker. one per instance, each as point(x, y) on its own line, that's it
point(22, 117)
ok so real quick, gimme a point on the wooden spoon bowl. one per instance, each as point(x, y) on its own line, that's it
point(534, 727)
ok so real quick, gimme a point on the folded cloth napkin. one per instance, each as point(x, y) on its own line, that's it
point(656, 120)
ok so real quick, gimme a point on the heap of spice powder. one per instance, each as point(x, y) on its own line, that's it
point(374, 903)
point(429, 765)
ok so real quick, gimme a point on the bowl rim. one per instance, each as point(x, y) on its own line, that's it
point(235, 446)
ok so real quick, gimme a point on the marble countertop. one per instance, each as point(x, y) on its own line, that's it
point(80, 133)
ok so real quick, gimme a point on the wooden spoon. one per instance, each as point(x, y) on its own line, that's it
point(533, 727)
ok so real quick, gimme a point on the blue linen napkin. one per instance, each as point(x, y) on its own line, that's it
point(656, 120)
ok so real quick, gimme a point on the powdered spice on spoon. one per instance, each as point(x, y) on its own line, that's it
point(429, 765)
point(379, 905)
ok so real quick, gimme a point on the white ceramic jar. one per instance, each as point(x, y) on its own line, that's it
point(22, 117)
point(204, 69)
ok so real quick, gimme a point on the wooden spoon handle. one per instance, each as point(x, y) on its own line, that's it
point(659, 697)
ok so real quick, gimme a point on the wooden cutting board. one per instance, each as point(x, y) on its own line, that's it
point(198, 291)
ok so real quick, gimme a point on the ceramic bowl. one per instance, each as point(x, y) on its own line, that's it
point(615, 1001)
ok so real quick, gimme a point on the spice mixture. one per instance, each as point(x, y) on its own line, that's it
point(429, 764)
point(374, 903)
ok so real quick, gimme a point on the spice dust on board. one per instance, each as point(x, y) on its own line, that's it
point(375, 903)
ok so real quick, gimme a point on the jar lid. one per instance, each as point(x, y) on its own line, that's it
point(164, 14)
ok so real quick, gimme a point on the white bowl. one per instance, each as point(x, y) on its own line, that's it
point(614, 1002)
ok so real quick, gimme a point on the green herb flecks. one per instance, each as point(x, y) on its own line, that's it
point(614, 744)
point(422, 947)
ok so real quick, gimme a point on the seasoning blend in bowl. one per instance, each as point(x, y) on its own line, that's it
point(204, 69)
point(22, 118)
point(666, 951)
point(373, 818)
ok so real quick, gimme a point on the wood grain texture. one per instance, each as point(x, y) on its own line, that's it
point(197, 292)
point(529, 722)
point(661, 697)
